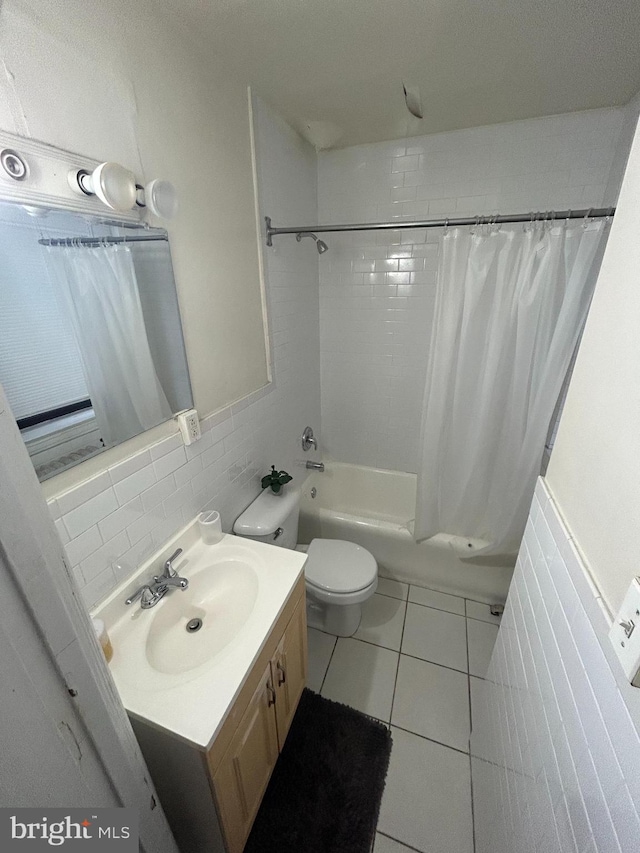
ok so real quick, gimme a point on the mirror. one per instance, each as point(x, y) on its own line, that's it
point(91, 344)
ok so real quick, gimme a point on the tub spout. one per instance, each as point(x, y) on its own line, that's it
point(315, 466)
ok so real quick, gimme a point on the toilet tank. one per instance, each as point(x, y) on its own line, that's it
point(271, 518)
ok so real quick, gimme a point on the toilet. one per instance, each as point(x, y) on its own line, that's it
point(339, 576)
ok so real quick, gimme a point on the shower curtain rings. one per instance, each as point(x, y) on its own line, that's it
point(446, 227)
point(585, 221)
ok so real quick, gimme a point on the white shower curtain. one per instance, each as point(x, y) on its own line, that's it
point(509, 308)
point(100, 292)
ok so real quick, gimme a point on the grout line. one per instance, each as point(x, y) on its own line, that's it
point(434, 663)
point(324, 678)
point(473, 811)
point(430, 739)
point(394, 597)
point(395, 683)
point(473, 821)
point(397, 840)
point(439, 609)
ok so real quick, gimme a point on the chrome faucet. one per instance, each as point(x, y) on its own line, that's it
point(308, 441)
point(315, 466)
point(151, 593)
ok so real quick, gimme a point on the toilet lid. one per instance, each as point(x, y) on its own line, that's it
point(338, 566)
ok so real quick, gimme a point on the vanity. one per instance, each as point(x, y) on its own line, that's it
point(211, 677)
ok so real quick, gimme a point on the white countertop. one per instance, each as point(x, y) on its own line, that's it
point(193, 704)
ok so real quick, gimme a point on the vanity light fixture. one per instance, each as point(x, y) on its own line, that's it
point(13, 164)
point(114, 185)
point(161, 198)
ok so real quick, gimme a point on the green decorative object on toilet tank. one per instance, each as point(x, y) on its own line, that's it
point(276, 480)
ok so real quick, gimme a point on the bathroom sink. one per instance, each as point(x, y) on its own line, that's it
point(190, 628)
point(180, 664)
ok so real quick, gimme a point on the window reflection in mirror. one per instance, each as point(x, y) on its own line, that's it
point(91, 345)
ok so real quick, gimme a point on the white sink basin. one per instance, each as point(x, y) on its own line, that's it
point(185, 681)
point(222, 596)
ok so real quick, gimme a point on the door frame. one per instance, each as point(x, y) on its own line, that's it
point(52, 640)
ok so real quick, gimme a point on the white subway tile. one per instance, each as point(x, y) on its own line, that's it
point(158, 492)
point(132, 486)
point(68, 501)
point(96, 563)
point(83, 545)
point(120, 519)
point(555, 712)
point(170, 462)
point(129, 466)
point(90, 512)
point(167, 445)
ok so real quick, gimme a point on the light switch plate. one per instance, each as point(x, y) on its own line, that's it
point(189, 424)
point(625, 633)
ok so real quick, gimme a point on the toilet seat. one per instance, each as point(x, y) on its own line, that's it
point(338, 567)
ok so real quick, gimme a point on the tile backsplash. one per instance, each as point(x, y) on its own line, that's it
point(377, 289)
point(115, 520)
point(556, 739)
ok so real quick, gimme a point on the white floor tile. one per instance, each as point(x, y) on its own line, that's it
point(362, 676)
point(388, 845)
point(319, 654)
point(439, 600)
point(481, 724)
point(435, 636)
point(382, 621)
point(432, 701)
point(394, 589)
point(427, 798)
point(476, 610)
point(482, 638)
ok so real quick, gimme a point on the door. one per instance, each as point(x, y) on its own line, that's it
point(245, 770)
point(289, 667)
point(65, 738)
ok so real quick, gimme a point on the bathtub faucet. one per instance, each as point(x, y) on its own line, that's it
point(315, 466)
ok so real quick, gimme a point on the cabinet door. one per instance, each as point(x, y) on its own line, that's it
point(244, 772)
point(290, 669)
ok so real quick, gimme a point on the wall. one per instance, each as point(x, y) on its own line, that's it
point(595, 466)
point(120, 81)
point(555, 744)
point(377, 290)
point(120, 516)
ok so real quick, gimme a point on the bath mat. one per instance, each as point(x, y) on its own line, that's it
point(325, 791)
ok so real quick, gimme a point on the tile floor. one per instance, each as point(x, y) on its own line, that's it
point(416, 663)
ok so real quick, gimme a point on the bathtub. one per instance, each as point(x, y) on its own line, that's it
point(375, 508)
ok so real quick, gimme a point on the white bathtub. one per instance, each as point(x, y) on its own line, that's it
point(375, 509)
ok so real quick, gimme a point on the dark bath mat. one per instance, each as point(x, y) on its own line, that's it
point(325, 791)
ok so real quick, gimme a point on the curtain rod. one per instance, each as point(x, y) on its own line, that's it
point(99, 241)
point(592, 213)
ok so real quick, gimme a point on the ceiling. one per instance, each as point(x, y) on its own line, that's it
point(475, 62)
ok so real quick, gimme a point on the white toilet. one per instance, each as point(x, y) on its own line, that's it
point(339, 575)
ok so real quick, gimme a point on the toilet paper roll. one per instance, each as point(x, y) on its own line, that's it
point(210, 526)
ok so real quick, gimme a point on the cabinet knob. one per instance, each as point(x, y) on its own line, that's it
point(271, 695)
point(282, 673)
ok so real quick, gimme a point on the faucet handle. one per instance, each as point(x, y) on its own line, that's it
point(169, 571)
point(308, 441)
point(137, 594)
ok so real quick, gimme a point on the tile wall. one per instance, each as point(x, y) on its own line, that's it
point(114, 521)
point(555, 743)
point(377, 290)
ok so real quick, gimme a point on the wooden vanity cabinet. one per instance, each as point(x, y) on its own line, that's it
point(238, 765)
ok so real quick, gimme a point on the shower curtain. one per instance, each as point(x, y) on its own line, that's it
point(100, 293)
point(510, 305)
